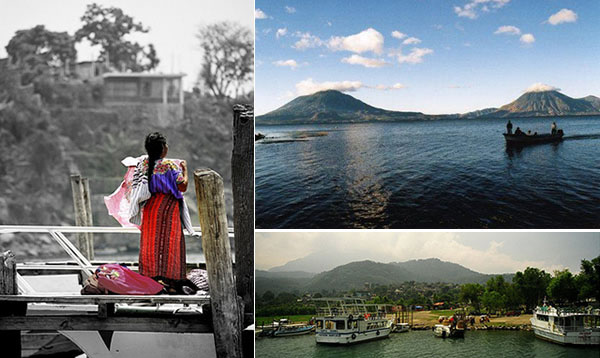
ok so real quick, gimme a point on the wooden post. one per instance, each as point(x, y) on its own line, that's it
point(226, 313)
point(83, 214)
point(11, 340)
point(242, 178)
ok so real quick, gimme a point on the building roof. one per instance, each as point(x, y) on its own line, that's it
point(142, 75)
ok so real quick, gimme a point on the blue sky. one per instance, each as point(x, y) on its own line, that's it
point(429, 56)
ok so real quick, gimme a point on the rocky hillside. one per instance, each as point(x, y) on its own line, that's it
point(549, 103)
point(328, 107)
point(354, 275)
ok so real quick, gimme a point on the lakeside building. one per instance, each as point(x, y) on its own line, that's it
point(156, 94)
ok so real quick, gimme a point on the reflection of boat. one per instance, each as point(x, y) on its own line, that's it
point(348, 320)
point(455, 328)
point(524, 139)
point(579, 327)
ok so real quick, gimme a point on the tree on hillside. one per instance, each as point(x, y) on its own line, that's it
point(108, 27)
point(470, 293)
point(588, 279)
point(228, 58)
point(36, 49)
point(531, 285)
point(562, 288)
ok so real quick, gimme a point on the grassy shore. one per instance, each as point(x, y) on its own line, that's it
point(420, 318)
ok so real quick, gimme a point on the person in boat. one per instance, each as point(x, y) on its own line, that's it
point(529, 132)
point(158, 207)
point(518, 131)
point(509, 127)
point(553, 128)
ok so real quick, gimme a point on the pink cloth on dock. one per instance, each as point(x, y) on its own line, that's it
point(122, 281)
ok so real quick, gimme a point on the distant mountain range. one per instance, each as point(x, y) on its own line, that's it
point(332, 106)
point(354, 275)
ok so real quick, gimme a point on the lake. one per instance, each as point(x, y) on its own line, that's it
point(429, 174)
point(424, 344)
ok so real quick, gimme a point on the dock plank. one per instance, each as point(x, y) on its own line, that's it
point(104, 299)
point(93, 323)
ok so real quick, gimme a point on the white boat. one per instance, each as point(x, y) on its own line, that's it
point(348, 321)
point(567, 326)
point(401, 327)
point(455, 329)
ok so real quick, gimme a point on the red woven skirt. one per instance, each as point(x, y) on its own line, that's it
point(162, 246)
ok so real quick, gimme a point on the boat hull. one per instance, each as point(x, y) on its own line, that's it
point(443, 331)
point(512, 139)
point(336, 337)
point(578, 338)
point(298, 332)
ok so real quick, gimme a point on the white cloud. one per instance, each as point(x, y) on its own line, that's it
point(527, 39)
point(411, 41)
point(287, 63)
point(365, 41)
point(415, 56)
point(541, 87)
point(290, 10)
point(470, 10)
point(399, 35)
point(509, 30)
point(564, 15)
point(259, 14)
point(395, 86)
point(329, 23)
point(309, 86)
point(307, 40)
point(281, 32)
point(363, 61)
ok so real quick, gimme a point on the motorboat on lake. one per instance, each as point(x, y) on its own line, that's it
point(567, 326)
point(348, 321)
point(526, 139)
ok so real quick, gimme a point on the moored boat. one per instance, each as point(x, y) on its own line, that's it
point(567, 326)
point(401, 328)
point(292, 330)
point(455, 328)
point(348, 321)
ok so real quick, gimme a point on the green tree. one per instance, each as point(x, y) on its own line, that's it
point(588, 280)
point(562, 288)
point(531, 285)
point(107, 28)
point(228, 58)
point(497, 284)
point(470, 293)
point(493, 301)
point(36, 49)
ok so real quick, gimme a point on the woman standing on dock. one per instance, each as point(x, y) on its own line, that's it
point(158, 206)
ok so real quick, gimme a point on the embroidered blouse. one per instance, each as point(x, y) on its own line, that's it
point(165, 177)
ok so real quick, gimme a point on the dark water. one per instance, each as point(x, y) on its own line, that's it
point(423, 344)
point(434, 174)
